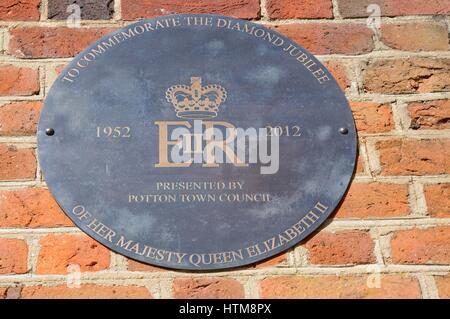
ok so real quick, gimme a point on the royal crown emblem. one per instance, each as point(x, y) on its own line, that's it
point(196, 101)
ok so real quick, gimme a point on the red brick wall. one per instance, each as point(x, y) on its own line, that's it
point(391, 236)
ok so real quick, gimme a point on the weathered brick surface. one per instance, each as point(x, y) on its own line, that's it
point(421, 246)
point(19, 10)
point(3, 292)
point(89, 9)
point(273, 261)
point(134, 265)
point(374, 200)
point(59, 251)
point(16, 163)
point(414, 156)
point(341, 248)
point(330, 38)
point(359, 164)
point(438, 199)
point(372, 117)
point(21, 81)
point(328, 286)
point(13, 256)
point(59, 68)
point(358, 8)
point(206, 288)
point(136, 9)
point(339, 72)
point(48, 42)
point(430, 114)
point(30, 207)
point(19, 118)
point(294, 9)
point(443, 286)
point(415, 36)
point(416, 7)
point(13, 292)
point(407, 75)
point(86, 291)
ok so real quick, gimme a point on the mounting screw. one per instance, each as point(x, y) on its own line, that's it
point(343, 130)
point(49, 131)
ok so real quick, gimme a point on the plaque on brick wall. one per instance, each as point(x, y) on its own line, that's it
point(196, 142)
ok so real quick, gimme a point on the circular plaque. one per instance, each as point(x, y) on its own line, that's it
point(196, 142)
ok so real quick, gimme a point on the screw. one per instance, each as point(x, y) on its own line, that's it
point(49, 131)
point(343, 130)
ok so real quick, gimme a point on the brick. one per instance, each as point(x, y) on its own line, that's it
point(273, 261)
point(391, 8)
point(372, 117)
point(415, 36)
point(341, 248)
point(59, 251)
point(19, 10)
point(414, 156)
point(294, 9)
point(407, 75)
point(90, 9)
point(356, 8)
point(17, 163)
point(19, 118)
point(13, 292)
point(136, 9)
point(438, 199)
point(374, 200)
point(443, 286)
point(277, 260)
point(48, 42)
point(421, 246)
point(137, 266)
point(339, 73)
point(30, 207)
point(59, 68)
point(333, 287)
point(430, 115)
point(13, 256)
point(87, 291)
point(359, 164)
point(19, 81)
point(329, 38)
point(416, 7)
point(207, 288)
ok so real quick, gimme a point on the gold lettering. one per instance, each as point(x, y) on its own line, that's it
point(321, 207)
point(211, 143)
point(121, 242)
point(164, 143)
point(102, 229)
point(311, 216)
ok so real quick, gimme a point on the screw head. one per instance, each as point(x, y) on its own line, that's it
point(343, 130)
point(49, 131)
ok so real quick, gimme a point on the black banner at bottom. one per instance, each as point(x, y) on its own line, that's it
point(198, 309)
